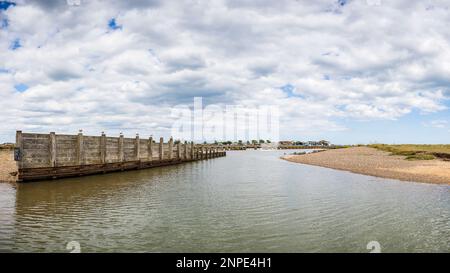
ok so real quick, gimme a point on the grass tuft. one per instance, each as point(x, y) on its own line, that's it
point(416, 152)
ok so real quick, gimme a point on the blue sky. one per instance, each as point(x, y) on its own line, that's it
point(347, 71)
point(411, 128)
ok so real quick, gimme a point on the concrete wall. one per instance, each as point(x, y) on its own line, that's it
point(53, 151)
point(40, 150)
point(35, 151)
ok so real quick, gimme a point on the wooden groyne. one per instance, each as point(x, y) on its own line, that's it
point(53, 156)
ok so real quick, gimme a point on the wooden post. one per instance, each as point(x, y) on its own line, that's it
point(137, 148)
point(179, 149)
point(171, 148)
point(161, 148)
point(185, 150)
point(121, 157)
point(80, 152)
point(103, 148)
point(150, 149)
point(52, 150)
point(19, 146)
point(192, 149)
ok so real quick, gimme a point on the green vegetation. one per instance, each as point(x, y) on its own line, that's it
point(420, 157)
point(415, 151)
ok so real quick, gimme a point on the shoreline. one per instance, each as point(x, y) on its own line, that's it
point(373, 162)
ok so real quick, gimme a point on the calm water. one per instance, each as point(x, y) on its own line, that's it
point(246, 202)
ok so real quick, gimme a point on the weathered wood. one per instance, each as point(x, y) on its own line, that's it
point(103, 148)
point(57, 156)
point(150, 149)
point(171, 148)
point(121, 155)
point(52, 149)
point(34, 136)
point(161, 148)
point(137, 148)
point(19, 147)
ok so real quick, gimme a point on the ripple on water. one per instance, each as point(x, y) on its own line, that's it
point(249, 201)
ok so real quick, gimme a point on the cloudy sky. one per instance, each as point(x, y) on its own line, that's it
point(356, 71)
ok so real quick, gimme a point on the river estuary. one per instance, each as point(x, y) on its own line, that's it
point(245, 202)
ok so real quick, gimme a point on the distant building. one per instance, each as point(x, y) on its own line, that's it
point(324, 143)
point(285, 142)
point(269, 146)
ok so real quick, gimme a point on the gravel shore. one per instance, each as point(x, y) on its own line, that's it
point(7, 165)
point(370, 161)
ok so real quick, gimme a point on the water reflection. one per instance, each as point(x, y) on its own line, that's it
point(247, 201)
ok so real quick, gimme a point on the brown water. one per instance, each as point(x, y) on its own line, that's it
point(246, 202)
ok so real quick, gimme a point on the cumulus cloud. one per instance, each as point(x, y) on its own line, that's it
point(343, 59)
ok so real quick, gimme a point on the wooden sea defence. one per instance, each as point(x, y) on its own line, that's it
point(53, 156)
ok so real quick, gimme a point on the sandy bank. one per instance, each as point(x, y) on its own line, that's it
point(370, 161)
point(7, 165)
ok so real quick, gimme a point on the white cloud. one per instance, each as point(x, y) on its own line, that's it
point(441, 124)
point(354, 61)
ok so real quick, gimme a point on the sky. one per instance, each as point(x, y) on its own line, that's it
point(351, 72)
